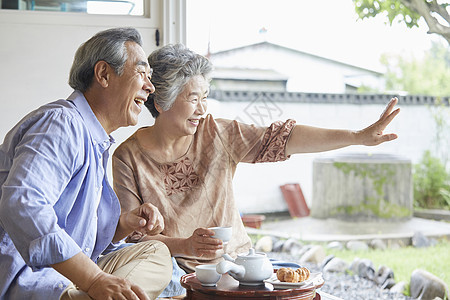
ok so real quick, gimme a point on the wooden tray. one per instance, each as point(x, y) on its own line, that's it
point(229, 288)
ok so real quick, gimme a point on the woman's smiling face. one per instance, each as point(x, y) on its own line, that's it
point(189, 106)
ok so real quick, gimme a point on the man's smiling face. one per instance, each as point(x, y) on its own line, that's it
point(131, 89)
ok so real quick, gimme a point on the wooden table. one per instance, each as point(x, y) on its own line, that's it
point(229, 288)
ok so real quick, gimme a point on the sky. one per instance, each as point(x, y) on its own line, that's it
point(328, 28)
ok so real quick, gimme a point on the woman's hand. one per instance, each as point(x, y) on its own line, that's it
point(373, 135)
point(107, 286)
point(201, 244)
point(146, 219)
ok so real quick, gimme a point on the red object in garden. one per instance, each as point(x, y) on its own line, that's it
point(295, 200)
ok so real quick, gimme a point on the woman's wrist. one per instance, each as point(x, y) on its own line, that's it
point(177, 246)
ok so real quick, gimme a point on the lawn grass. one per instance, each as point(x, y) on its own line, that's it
point(403, 261)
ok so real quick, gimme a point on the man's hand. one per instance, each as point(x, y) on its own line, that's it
point(106, 286)
point(146, 219)
point(150, 219)
point(89, 278)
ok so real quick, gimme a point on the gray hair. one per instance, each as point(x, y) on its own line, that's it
point(173, 66)
point(108, 46)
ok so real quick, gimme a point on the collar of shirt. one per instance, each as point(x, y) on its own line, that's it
point(99, 135)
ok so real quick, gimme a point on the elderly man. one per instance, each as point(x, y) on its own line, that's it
point(60, 222)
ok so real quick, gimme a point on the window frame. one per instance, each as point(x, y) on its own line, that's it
point(150, 18)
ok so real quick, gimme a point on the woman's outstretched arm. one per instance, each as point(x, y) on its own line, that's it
point(307, 139)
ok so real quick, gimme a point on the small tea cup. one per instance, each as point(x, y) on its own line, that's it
point(207, 275)
point(222, 233)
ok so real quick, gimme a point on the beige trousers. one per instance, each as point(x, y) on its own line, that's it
point(147, 264)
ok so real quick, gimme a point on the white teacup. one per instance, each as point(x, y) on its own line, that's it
point(207, 274)
point(222, 233)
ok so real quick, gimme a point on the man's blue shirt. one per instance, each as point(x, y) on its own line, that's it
point(55, 199)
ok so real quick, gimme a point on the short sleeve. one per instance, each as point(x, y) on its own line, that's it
point(273, 145)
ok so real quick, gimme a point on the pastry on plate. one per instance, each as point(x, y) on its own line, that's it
point(288, 275)
point(291, 275)
point(303, 274)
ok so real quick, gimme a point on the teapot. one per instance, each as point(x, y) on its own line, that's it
point(250, 269)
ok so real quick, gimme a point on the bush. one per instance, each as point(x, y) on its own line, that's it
point(431, 183)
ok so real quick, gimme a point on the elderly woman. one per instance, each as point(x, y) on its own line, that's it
point(184, 164)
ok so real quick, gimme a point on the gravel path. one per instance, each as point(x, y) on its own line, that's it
point(347, 287)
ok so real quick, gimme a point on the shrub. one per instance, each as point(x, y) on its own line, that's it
point(431, 183)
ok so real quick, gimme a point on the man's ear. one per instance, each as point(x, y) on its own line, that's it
point(101, 73)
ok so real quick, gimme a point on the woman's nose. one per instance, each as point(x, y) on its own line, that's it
point(201, 107)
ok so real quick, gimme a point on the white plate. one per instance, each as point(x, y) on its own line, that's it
point(314, 279)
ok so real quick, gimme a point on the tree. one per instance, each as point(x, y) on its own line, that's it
point(429, 75)
point(434, 12)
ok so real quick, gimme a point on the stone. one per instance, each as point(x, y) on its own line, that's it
point(278, 245)
point(362, 187)
point(304, 250)
point(264, 244)
point(357, 246)
point(377, 244)
point(325, 261)
point(335, 245)
point(292, 246)
point(390, 282)
point(336, 265)
point(426, 286)
point(275, 239)
point(419, 240)
point(316, 254)
point(396, 244)
point(383, 274)
point(363, 268)
point(354, 265)
point(399, 287)
point(366, 269)
point(433, 242)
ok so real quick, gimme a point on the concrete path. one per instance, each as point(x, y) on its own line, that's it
point(318, 230)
